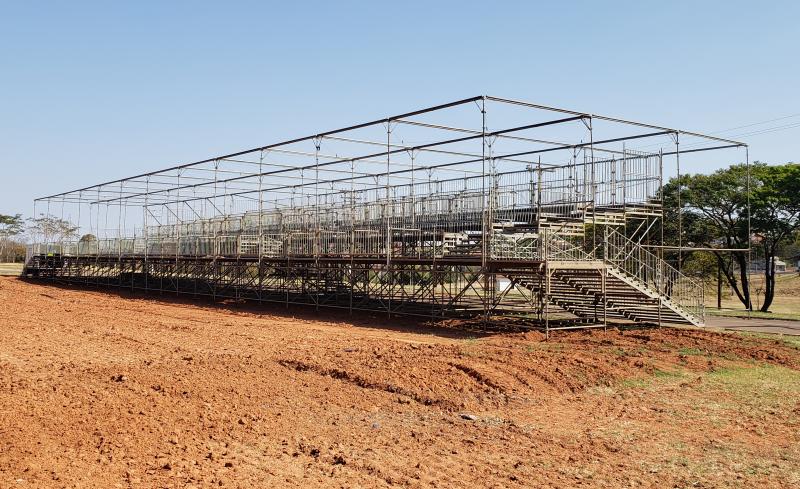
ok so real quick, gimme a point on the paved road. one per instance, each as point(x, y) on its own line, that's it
point(757, 325)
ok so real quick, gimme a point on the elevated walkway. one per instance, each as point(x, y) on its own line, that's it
point(430, 272)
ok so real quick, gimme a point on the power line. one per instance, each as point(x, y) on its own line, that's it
point(783, 127)
point(752, 133)
point(757, 123)
point(772, 129)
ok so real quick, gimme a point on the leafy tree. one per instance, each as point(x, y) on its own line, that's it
point(715, 215)
point(775, 216)
point(10, 226)
point(51, 228)
point(695, 230)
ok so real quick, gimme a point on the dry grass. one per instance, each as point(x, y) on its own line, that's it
point(786, 304)
point(741, 404)
point(10, 269)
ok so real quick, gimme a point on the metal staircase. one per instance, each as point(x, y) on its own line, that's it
point(621, 279)
point(643, 270)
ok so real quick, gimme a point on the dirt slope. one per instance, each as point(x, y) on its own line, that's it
point(105, 390)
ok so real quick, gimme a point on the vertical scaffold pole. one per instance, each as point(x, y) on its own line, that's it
point(109, 256)
point(389, 207)
point(211, 273)
point(177, 234)
point(126, 238)
point(547, 300)
point(260, 238)
point(539, 205)
point(625, 188)
point(605, 298)
point(594, 192)
point(46, 228)
point(316, 248)
point(661, 267)
point(680, 205)
point(352, 234)
point(604, 276)
point(119, 237)
point(78, 224)
point(97, 229)
point(749, 235)
point(146, 233)
point(485, 213)
point(35, 238)
point(541, 247)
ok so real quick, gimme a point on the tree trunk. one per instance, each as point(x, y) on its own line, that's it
point(769, 277)
point(743, 294)
point(741, 260)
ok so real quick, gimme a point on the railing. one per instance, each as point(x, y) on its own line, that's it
point(522, 247)
point(330, 243)
point(654, 272)
point(547, 244)
point(555, 247)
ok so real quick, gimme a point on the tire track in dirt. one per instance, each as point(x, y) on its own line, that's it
point(477, 376)
point(357, 380)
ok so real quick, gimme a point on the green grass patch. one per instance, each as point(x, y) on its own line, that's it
point(657, 376)
point(620, 352)
point(790, 340)
point(760, 396)
point(761, 387)
point(667, 374)
point(635, 383)
point(692, 351)
point(544, 346)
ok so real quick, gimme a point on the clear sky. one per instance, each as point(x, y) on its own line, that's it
point(93, 91)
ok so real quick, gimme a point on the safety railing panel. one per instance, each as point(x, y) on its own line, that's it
point(521, 246)
point(658, 275)
point(554, 246)
point(248, 245)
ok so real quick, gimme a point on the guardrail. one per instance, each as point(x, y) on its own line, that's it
point(556, 247)
point(405, 242)
point(655, 273)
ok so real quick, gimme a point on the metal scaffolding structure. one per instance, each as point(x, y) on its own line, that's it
point(552, 216)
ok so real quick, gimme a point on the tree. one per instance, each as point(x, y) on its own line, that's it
point(10, 226)
point(715, 212)
point(775, 216)
point(51, 229)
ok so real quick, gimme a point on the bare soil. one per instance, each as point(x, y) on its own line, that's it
point(104, 389)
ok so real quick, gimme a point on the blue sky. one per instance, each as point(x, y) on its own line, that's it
point(92, 91)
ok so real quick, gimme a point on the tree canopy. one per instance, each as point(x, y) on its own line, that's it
point(715, 214)
point(11, 225)
point(51, 228)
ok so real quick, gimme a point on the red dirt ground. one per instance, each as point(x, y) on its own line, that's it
point(103, 389)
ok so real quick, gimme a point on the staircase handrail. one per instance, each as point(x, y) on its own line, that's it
point(654, 272)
